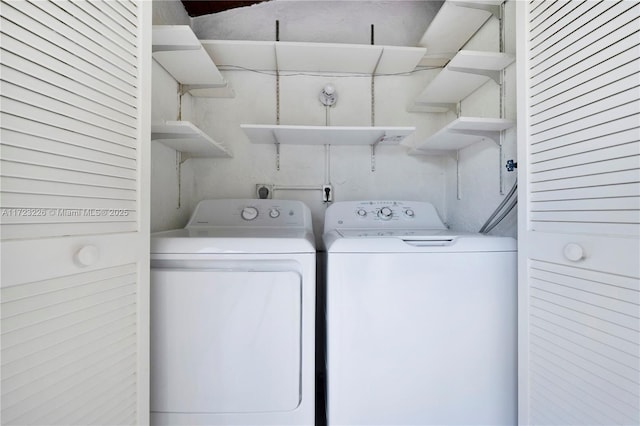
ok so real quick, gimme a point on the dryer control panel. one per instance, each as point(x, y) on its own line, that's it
point(382, 215)
point(251, 213)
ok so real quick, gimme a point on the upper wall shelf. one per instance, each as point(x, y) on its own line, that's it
point(183, 136)
point(179, 51)
point(454, 24)
point(325, 135)
point(464, 74)
point(461, 133)
point(314, 57)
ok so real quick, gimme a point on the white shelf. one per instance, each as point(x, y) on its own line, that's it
point(454, 24)
point(464, 74)
point(461, 133)
point(325, 135)
point(185, 137)
point(314, 57)
point(178, 50)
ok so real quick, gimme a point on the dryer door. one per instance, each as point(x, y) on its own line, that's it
point(225, 341)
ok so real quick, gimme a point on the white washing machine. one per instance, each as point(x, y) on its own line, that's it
point(421, 321)
point(233, 316)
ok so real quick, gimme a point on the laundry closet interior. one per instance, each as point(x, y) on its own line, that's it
point(397, 206)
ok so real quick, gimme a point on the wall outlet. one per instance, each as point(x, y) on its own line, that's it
point(264, 191)
point(327, 193)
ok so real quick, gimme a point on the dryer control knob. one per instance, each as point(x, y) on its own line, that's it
point(274, 213)
point(361, 212)
point(409, 213)
point(385, 213)
point(249, 213)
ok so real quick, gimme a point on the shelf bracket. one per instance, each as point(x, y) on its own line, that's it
point(494, 9)
point(436, 106)
point(495, 75)
point(373, 152)
point(277, 156)
point(493, 135)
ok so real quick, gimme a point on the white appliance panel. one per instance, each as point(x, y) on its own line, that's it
point(226, 341)
point(421, 339)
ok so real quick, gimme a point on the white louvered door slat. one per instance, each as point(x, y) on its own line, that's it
point(579, 216)
point(74, 164)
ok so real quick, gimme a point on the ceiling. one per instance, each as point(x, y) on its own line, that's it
point(205, 7)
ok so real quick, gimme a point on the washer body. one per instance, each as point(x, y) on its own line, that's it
point(233, 316)
point(421, 322)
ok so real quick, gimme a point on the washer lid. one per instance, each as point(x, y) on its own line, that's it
point(412, 241)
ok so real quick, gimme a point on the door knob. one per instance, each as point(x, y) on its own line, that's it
point(573, 252)
point(87, 255)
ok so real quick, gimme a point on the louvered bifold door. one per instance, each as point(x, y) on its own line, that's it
point(579, 236)
point(74, 211)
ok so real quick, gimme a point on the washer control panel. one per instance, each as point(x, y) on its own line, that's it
point(382, 214)
point(250, 213)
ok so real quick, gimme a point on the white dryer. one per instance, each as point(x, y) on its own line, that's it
point(233, 316)
point(421, 321)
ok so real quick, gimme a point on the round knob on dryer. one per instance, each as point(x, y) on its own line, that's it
point(409, 213)
point(249, 213)
point(274, 213)
point(385, 213)
point(361, 212)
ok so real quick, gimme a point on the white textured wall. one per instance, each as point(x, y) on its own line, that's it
point(396, 22)
point(480, 164)
point(167, 211)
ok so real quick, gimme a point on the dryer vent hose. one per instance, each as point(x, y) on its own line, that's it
point(510, 201)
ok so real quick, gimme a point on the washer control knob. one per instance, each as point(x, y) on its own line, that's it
point(361, 212)
point(409, 213)
point(385, 213)
point(274, 213)
point(249, 213)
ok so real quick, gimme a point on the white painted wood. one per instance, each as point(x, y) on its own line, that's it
point(462, 132)
point(327, 57)
point(325, 135)
point(464, 74)
point(452, 27)
point(579, 173)
point(242, 54)
point(74, 174)
point(399, 60)
point(178, 50)
point(174, 37)
point(190, 66)
point(313, 57)
point(185, 137)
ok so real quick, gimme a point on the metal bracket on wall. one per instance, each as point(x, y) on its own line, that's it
point(492, 74)
point(373, 152)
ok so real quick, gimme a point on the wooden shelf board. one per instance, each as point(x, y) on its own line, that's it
point(327, 57)
point(463, 132)
point(313, 57)
point(185, 137)
point(398, 59)
point(325, 135)
point(253, 55)
point(453, 26)
point(174, 37)
point(190, 66)
point(450, 86)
